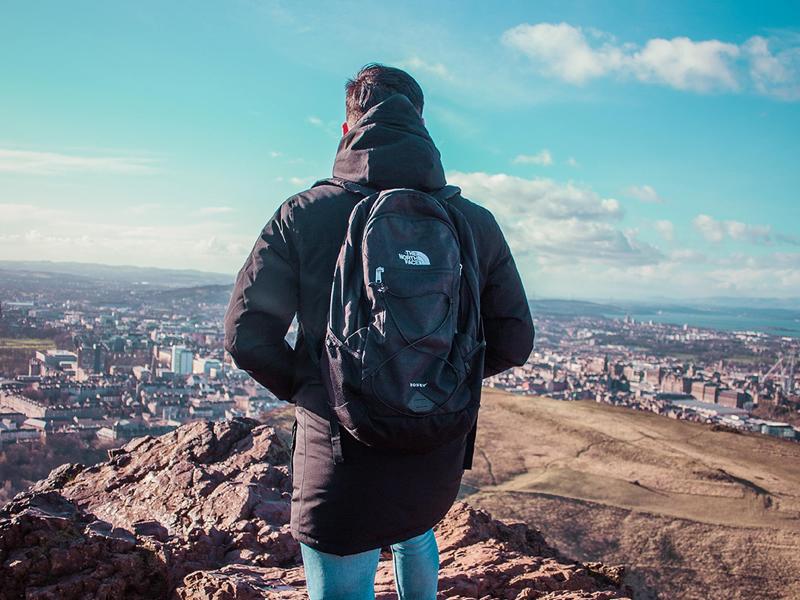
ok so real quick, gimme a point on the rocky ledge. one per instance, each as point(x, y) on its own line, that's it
point(203, 513)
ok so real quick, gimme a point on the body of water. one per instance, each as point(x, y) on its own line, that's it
point(773, 322)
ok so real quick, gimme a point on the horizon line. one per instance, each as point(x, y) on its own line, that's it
point(596, 299)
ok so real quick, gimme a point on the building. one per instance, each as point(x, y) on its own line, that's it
point(34, 409)
point(182, 360)
point(98, 358)
point(654, 376)
point(677, 383)
point(210, 367)
point(12, 432)
point(256, 405)
point(210, 408)
point(126, 429)
point(54, 362)
point(733, 398)
point(705, 391)
point(777, 429)
point(707, 409)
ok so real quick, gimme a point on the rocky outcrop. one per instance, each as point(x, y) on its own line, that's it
point(203, 513)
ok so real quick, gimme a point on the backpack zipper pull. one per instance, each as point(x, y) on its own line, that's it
point(378, 284)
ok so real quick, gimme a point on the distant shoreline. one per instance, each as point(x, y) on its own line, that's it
point(722, 322)
point(770, 317)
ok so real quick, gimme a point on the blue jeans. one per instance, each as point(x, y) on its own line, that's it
point(352, 577)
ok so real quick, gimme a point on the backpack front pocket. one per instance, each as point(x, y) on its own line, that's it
point(406, 362)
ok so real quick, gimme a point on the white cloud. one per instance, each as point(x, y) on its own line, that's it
point(11, 212)
point(53, 163)
point(207, 244)
point(40, 241)
point(546, 197)
point(301, 181)
point(418, 64)
point(710, 228)
point(556, 222)
point(774, 74)
point(687, 255)
point(215, 210)
point(666, 229)
point(714, 230)
point(686, 65)
point(133, 234)
point(215, 245)
point(563, 51)
point(572, 162)
point(275, 154)
point(540, 158)
point(331, 128)
point(745, 232)
point(577, 55)
point(142, 208)
point(766, 276)
point(680, 274)
point(645, 193)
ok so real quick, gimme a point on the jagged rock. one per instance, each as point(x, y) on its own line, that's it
point(241, 582)
point(50, 550)
point(483, 557)
point(203, 513)
point(480, 557)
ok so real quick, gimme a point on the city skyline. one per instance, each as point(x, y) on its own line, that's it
point(627, 151)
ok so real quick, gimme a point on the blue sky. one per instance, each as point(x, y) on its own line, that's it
point(628, 149)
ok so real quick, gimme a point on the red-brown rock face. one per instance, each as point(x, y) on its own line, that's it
point(203, 512)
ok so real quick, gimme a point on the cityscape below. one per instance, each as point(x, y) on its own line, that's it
point(101, 361)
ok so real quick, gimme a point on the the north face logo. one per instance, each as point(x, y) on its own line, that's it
point(415, 257)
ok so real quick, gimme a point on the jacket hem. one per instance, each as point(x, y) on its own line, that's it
point(384, 541)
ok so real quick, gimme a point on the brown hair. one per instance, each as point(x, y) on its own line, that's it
point(376, 82)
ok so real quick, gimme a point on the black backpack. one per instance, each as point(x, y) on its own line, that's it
point(403, 353)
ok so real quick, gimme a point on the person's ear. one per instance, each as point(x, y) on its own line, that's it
point(345, 128)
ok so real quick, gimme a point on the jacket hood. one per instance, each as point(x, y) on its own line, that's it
point(389, 147)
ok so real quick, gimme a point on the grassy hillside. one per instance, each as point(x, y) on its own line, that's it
point(695, 513)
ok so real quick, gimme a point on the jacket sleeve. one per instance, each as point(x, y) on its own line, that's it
point(507, 321)
point(262, 306)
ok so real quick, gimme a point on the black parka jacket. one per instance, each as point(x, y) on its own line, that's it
point(374, 498)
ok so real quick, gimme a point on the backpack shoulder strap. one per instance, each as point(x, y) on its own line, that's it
point(335, 431)
point(350, 186)
point(469, 256)
point(447, 192)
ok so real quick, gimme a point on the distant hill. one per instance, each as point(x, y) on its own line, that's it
point(749, 302)
point(185, 278)
point(201, 294)
point(557, 307)
point(172, 278)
